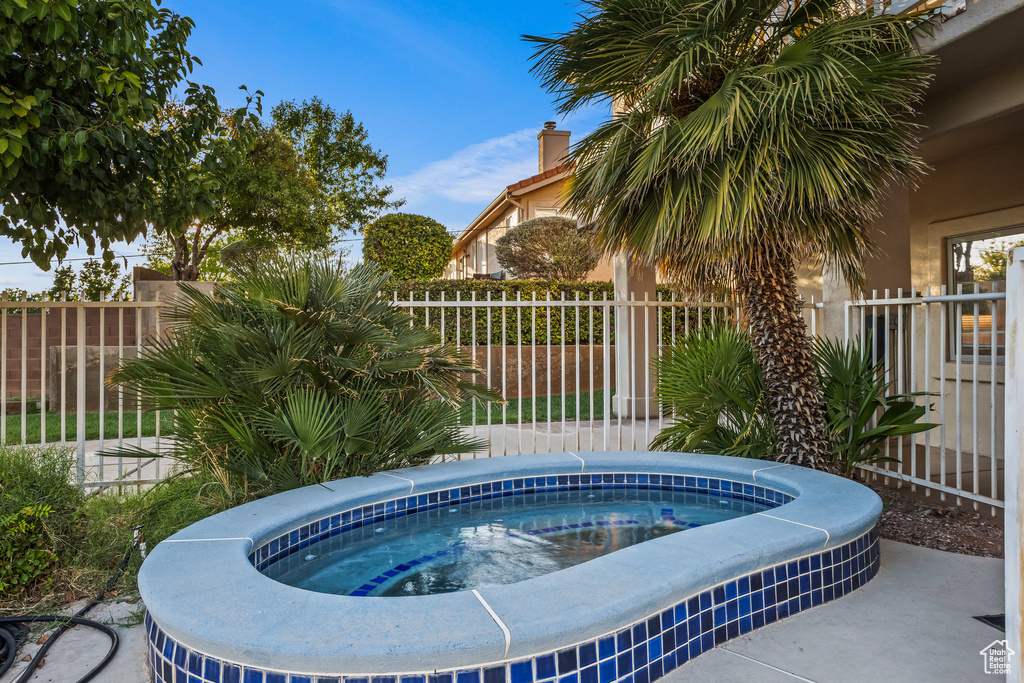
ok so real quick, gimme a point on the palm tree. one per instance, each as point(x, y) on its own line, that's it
point(298, 373)
point(750, 135)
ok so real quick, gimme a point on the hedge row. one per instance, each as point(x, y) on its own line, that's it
point(531, 323)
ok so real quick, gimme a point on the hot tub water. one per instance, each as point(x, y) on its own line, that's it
point(499, 541)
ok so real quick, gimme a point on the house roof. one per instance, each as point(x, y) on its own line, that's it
point(534, 179)
point(505, 200)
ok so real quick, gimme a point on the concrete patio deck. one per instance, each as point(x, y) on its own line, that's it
point(912, 623)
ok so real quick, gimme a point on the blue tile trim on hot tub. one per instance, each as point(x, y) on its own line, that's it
point(640, 652)
point(302, 537)
point(204, 592)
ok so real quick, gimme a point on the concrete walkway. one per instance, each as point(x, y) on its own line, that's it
point(81, 648)
point(913, 622)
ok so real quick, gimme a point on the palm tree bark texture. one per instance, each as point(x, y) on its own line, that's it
point(783, 349)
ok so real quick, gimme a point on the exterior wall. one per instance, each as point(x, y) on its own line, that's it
point(478, 252)
point(979, 190)
point(605, 271)
point(973, 191)
point(547, 197)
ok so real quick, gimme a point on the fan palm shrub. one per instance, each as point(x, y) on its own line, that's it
point(297, 373)
point(713, 387)
point(750, 135)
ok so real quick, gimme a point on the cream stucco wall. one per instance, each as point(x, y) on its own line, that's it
point(969, 190)
point(972, 192)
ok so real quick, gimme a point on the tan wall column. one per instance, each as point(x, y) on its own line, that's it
point(635, 350)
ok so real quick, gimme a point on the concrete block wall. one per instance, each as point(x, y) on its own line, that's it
point(23, 333)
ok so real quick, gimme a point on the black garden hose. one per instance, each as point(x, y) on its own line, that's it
point(13, 629)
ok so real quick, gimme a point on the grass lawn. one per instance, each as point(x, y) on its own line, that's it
point(92, 420)
point(526, 406)
point(92, 426)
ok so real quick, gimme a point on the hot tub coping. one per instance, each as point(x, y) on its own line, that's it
point(202, 590)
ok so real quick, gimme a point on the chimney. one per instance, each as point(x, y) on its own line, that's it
point(552, 146)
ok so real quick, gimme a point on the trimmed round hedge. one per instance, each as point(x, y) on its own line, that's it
point(412, 247)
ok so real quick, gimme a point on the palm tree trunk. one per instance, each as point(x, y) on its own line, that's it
point(783, 349)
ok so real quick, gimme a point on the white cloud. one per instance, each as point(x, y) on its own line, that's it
point(474, 174)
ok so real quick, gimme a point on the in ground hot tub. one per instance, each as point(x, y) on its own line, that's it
point(685, 581)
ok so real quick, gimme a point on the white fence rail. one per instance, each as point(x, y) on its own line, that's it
point(951, 349)
point(575, 373)
point(55, 357)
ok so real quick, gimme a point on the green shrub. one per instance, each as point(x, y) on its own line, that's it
point(460, 319)
point(548, 248)
point(412, 247)
point(711, 383)
point(25, 555)
point(104, 524)
point(297, 374)
point(38, 509)
point(71, 542)
point(854, 387)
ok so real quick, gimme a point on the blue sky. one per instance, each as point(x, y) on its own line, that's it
point(442, 87)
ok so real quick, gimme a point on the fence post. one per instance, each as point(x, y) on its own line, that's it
point(80, 391)
point(631, 354)
point(1014, 445)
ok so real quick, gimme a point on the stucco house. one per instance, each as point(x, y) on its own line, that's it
point(539, 195)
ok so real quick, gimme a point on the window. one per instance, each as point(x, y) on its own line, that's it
point(541, 213)
point(976, 264)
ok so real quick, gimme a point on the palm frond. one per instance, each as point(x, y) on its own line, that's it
point(300, 373)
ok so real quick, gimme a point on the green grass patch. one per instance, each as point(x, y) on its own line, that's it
point(538, 410)
point(510, 415)
point(33, 424)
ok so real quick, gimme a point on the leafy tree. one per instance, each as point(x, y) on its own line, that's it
point(268, 200)
point(308, 176)
point(548, 248)
point(227, 255)
point(412, 247)
point(298, 373)
point(64, 284)
point(82, 83)
point(16, 294)
point(752, 135)
point(93, 282)
point(993, 262)
point(102, 279)
point(346, 169)
point(159, 252)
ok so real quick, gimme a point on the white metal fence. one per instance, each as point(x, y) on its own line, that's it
point(575, 373)
point(55, 357)
point(951, 349)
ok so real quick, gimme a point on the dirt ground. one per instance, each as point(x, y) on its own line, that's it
point(910, 517)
